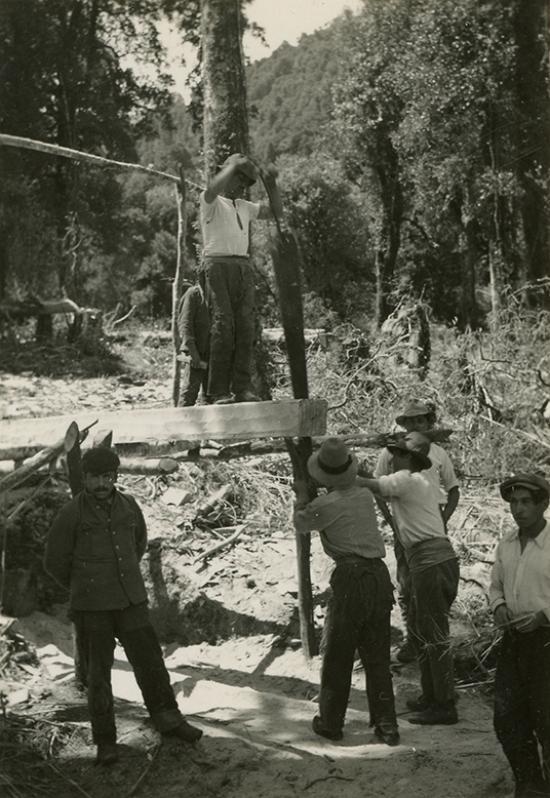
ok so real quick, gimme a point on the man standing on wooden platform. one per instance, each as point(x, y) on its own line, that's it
point(93, 549)
point(225, 221)
point(520, 600)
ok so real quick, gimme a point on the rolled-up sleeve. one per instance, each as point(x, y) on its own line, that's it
point(58, 557)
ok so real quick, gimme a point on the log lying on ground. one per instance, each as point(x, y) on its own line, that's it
point(159, 430)
point(46, 455)
point(128, 465)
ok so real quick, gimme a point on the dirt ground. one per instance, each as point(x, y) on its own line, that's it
point(229, 629)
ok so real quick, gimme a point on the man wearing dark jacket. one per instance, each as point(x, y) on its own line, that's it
point(94, 548)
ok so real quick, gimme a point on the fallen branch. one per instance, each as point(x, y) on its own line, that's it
point(326, 778)
point(73, 783)
point(522, 433)
point(146, 770)
point(41, 458)
point(221, 545)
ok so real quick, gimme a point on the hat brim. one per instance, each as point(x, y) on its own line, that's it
point(332, 480)
point(401, 418)
point(421, 459)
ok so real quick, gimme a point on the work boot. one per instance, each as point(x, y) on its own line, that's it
point(418, 704)
point(318, 728)
point(407, 653)
point(184, 731)
point(246, 396)
point(107, 754)
point(436, 715)
point(388, 735)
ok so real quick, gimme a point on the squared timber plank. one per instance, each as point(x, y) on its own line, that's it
point(160, 430)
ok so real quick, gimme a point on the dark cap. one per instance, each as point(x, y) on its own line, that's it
point(415, 444)
point(100, 460)
point(415, 408)
point(532, 482)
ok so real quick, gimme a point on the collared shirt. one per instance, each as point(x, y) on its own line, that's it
point(521, 579)
point(94, 549)
point(414, 506)
point(441, 474)
point(347, 522)
point(225, 225)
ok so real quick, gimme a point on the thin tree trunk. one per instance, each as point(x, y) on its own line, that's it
point(177, 283)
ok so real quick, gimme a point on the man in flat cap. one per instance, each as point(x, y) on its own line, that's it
point(418, 416)
point(225, 219)
point(94, 548)
point(520, 600)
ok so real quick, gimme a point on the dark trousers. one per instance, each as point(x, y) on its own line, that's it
point(522, 704)
point(358, 618)
point(433, 592)
point(230, 297)
point(191, 381)
point(131, 626)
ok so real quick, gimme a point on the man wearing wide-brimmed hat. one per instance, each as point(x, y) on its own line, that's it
point(434, 573)
point(225, 219)
point(419, 416)
point(358, 616)
point(520, 600)
point(94, 548)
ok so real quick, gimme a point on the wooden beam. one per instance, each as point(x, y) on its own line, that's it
point(45, 454)
point(85, 157)
point(151, 430)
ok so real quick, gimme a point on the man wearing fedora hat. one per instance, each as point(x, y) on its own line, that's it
point(418, 416)
point(358, 616)
point(225, 219)
point(434, 573)
point(93, 549)
point(520, 600)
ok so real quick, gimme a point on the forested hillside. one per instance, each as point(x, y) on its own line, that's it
point(290, 93)
point(412, 142)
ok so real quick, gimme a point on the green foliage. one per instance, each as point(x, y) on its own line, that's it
point(290, 94)
point(327, 214)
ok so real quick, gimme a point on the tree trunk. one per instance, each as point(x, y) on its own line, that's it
point(225, 116)
point(532, 85)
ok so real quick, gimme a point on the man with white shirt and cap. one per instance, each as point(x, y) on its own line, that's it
point(520, 600)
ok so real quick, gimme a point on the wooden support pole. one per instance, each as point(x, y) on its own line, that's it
point(84, 157)
point(286, 265)
point(181, 196)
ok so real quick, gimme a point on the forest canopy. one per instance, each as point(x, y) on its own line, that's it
point(412, 142)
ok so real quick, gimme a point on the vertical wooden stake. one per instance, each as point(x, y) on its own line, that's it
point(177, 284)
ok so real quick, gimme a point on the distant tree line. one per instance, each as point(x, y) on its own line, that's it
point(413, 143)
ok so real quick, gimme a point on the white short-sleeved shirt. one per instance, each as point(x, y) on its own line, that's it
point(222, 234)
point(521, 579)
point(441, 474)
point(414, 506)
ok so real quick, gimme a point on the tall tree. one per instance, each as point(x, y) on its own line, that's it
point(225, 116)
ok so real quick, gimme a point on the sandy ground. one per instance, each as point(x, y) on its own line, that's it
point(253, 694)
